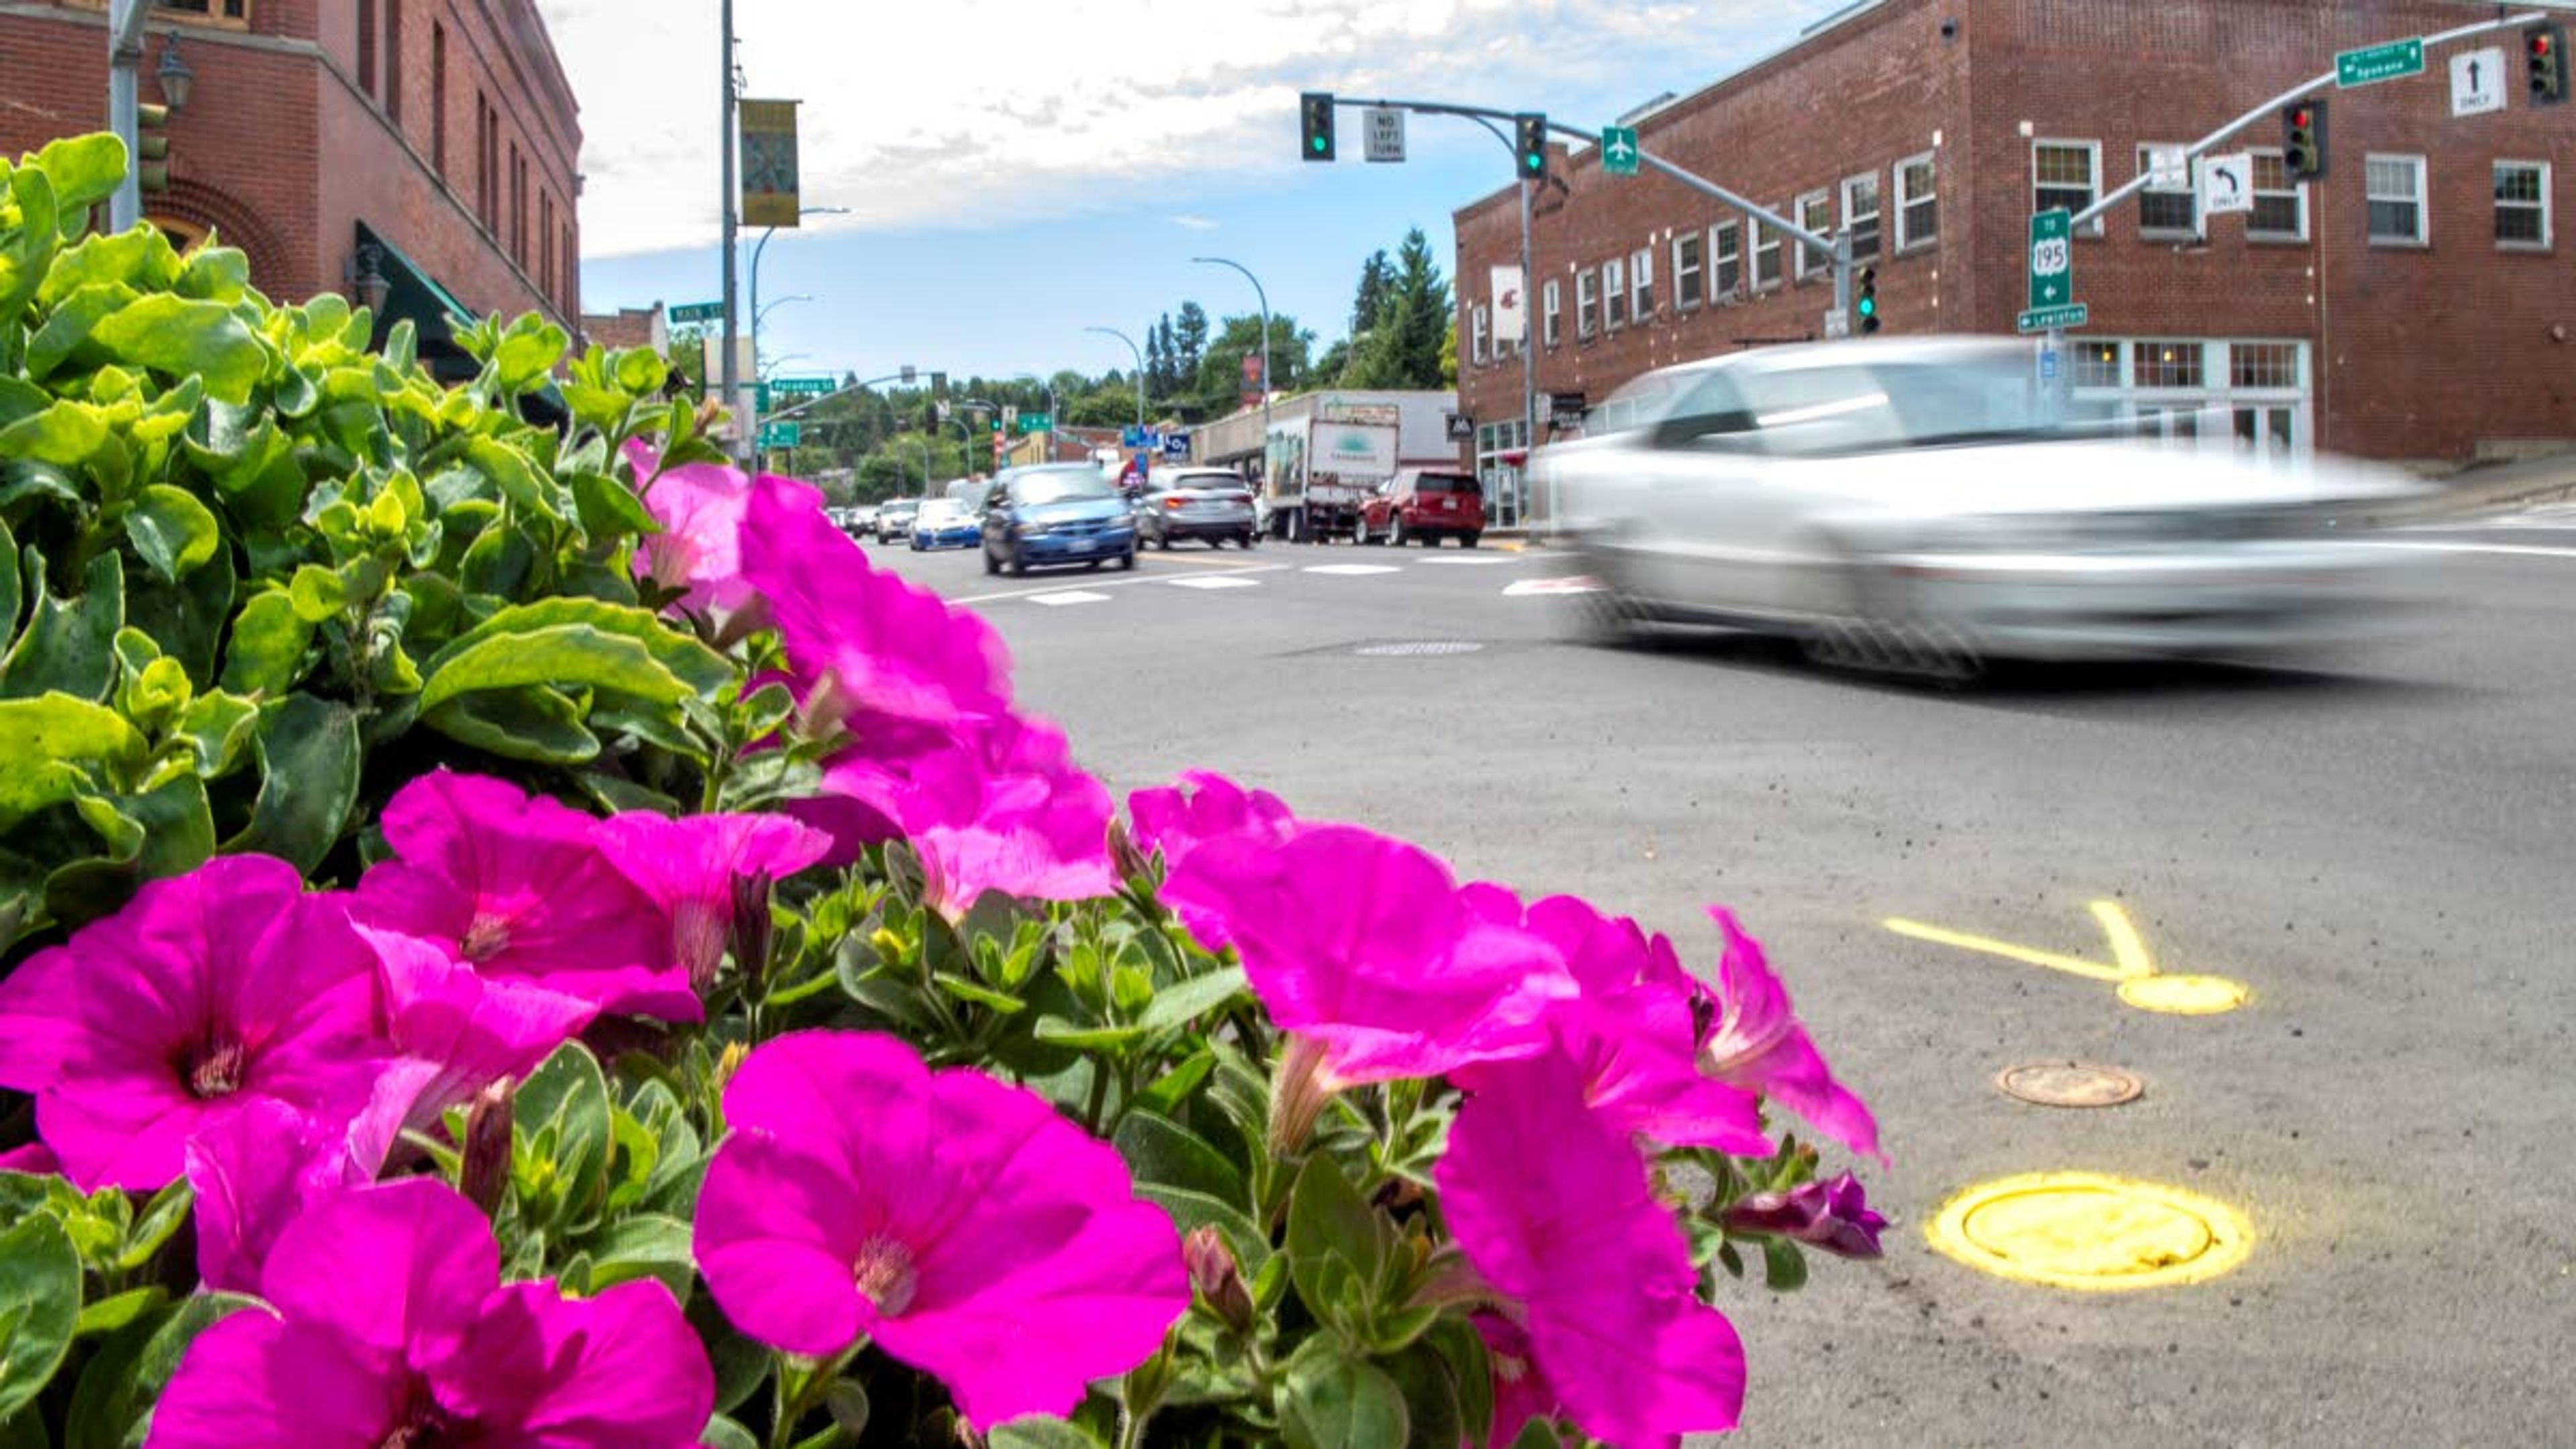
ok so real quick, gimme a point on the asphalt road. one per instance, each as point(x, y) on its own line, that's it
point(2381, 848)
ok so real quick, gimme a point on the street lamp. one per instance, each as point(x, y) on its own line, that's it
point(1140, 369)
point(176, 78)
point(763, 314)
point(779, 361)
point(1265, 354)
point(759, 247)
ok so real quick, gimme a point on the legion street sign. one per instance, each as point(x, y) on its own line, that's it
point(2049, 319)
point(692, 312)
point(2375, 63)
point(781, 435)
point(2052, 258)
point(1619, 150)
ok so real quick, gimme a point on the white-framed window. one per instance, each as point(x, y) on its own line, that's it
point(1918, 209)
point(2166, 211)
point(2522, 205)
point(2066, 174)
point(1641, 283)
point(2094, 364)
point(1725, 261)
point(1551, 327)
point(1766, 254)
point(1816, 213)
point(2395, 186)
point(2280, 204)
point(1614, 293)
point(1860, 214)
point(2174, 363)
point(2256, 365)
point(1687, 276)
point(1587, 302)
point(1480, 321)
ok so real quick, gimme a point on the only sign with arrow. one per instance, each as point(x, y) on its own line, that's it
point(2227, 184)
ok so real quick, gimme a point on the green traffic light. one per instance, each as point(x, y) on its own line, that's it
point(1869, 306)
point(1318, 143)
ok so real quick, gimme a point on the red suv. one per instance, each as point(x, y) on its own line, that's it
point(1425, 504)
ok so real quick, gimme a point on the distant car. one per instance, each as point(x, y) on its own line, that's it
point(1056, 513)
point(894, 519)
point(943, 523)
point(1425, 505)
point(860, 521)
point(1919, 506)
point(1209, 504)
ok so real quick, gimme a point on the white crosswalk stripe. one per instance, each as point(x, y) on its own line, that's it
point(1069, 596)
point(1216, 581)
point(1352, 570)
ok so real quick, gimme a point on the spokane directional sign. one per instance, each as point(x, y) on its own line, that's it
point(1619, 150)
point(689, 312)
point(2375, 63)
point(2052, 258)
point(803, 386)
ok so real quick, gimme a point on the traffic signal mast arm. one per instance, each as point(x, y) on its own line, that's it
point(774, 414)
point(2272, 108)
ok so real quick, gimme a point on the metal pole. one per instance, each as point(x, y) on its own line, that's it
point(757, 248)
point(1529, 351)
point(744, 437)
point(1140, 369)
point(1843, 277)
point(125, 107)
point(1264, 298)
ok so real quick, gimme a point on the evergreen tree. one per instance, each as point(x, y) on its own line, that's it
point(1176, 376)
point(1158, 372)
point(1192, 335)
point(1403, 349)
point(1368, 308)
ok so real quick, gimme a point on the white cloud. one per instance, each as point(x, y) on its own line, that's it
point(1194, 223)
point(994, 112)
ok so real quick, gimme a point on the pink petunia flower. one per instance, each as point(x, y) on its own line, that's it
point(518, 887)
point(1550, 1203)
point(223, 986)
point(1835, 1216)
point(866, 650)
point(391, 1327)
point(458, 1031)
point(1757, 1042)
point(958, 1222)
point(1363, 943)
point(700, 508)
point(254, 1171)
point(1203, 806)
point(689, 867)
point(33, 1157)
point(1521, 1389)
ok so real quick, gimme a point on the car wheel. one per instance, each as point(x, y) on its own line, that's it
point(1018, 565)
point(1395, 532)
point(1247, 541)
point(1469, 540)
point(1163, 541)
point(1127, 561)
point(1297, 526)
point(1859, 627)
point(1092, 567)
point(992, 565)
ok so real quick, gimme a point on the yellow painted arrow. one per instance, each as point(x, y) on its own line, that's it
point(2131, 969)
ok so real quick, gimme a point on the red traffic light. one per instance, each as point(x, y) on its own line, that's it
point(2302, 118)
point(2540, 43)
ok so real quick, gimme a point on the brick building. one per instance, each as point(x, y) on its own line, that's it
point(2411, 304)
point(432, 143)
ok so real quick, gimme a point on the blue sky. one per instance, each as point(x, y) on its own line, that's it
point(1066, 176)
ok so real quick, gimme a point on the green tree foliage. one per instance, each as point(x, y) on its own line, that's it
point(1368, 306)
point(1221, 371)
point(1403, 349)
point(1191, 334)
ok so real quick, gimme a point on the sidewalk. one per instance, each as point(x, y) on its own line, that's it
point(2489, 488)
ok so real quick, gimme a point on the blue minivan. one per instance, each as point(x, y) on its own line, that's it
point(1053, 514)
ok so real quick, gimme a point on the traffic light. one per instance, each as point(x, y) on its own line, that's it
point(152, 139)
point(1865, 301)
point(2303, 139)
point(1316, 109)
point(2544, 53)
point(1529, 132)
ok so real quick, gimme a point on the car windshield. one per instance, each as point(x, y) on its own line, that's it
point(1071, 485)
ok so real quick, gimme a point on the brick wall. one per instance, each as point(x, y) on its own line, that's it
point(2425, 352)
point(284, 146)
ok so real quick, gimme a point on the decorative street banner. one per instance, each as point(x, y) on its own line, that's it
point(1252, 389)
point(1511, 317)
point(769, 163)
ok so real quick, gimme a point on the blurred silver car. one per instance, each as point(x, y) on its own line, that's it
point(1917, 505)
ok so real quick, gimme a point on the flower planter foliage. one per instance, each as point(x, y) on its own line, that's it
point(516, 934)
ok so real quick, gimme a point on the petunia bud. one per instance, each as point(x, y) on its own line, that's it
point(1300, 1093)
point(485, 1174)
point(1834, 1216)
point(753, 929)
point(1124, 857)
point(1214, 1273)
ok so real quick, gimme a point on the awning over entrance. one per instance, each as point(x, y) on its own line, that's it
point(437, 315)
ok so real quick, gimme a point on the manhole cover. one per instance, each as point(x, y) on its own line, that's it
point(2069, 1084)
point(1417, 648)
point(2084, 1231)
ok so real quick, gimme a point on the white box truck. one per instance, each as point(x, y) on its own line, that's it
point(1321, 467)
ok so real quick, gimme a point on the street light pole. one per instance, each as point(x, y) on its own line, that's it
point(125, 107)
point(1265, 356)
point(1529, 311)
point(1140, 369)
point(744, 439)
point(757, 248)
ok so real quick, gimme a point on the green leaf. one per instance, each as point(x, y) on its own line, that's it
point(1183, 1001)
point(608, 507)
point(724, 1433)
point(215, 274)
point(65, 434)
point(1784, 1268)
point(1057, 1031)
point(186, 618)
point(1538, 1434)
point(126, 1376)
point(1433, 1398)
point(1038, 1431)
point(569, 1094)
point(1189, 1210)
point(40, 1302)
point(319, 595)
point(308, 759)
point(108, 1315)
point(167, 831)
point(1339, 1403)
point(1159, 1150)
point(702, 669)
point(74, 318)
point(54, 747)
point(220, 728)
point(1174, 1087)
point(967, 989)
point(25, 257)
point(139, 260)
point(509, 472)
point(12, 593)
point(179, 337)
point(562, 656)
point(85, 170)
point(534, 723)
point(529, 351)
point(640, 370)
point(68, 647)
point(643, 1245)
point(172, 530)
point(159, 1221)
point(270, 639)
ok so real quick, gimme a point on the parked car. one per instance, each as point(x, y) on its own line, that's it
point(1056, 513)
point(894, 519)
point(944, 523)
point(1424, 504)
point(1921, 505)
point(1209, 504)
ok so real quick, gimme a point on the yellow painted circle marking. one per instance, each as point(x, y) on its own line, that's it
point(2184, 995)
point(2086, 1231)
